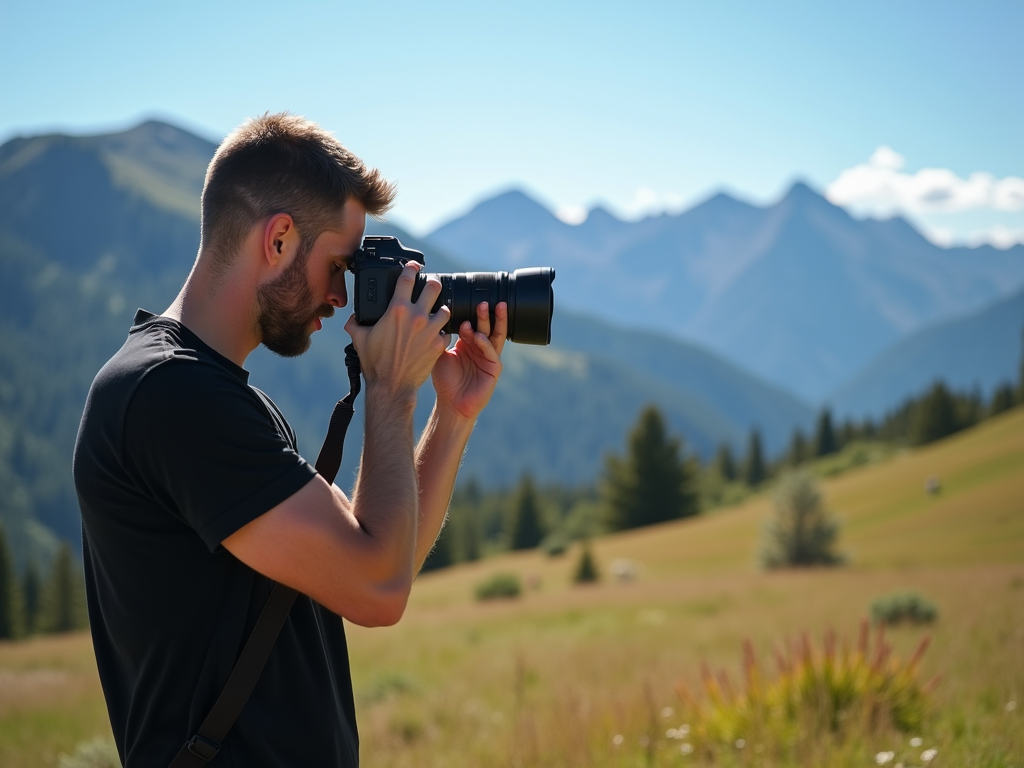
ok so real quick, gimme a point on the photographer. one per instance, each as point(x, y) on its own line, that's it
point(194, 498)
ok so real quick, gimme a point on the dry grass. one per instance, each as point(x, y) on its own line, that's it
point(551, 678)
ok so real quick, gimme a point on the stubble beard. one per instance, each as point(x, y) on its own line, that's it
point(286, 311)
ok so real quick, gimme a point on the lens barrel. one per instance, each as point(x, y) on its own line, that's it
point(528, 292)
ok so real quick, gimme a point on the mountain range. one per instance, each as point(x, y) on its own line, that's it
point(798, 292)
point(92, 227)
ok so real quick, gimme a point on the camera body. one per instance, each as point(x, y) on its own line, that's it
point(377, 265)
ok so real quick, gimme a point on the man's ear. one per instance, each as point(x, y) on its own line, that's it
point(280, 240)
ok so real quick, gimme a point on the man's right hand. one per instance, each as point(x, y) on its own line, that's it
point(399, 352)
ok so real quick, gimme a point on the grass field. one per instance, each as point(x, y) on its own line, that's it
point(587, 676)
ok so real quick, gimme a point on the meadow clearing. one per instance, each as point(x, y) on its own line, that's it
point(589, 675)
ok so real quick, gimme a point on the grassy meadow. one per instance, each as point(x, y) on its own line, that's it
point(590, 675)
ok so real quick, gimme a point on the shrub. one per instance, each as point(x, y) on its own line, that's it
point(815, 694)
point(500, 585)
point(801, 533)
point(586, 569)
point(902, 607)
point(98, 753)
point(555, 544)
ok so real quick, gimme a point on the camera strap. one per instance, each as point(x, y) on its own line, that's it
point(207, 741)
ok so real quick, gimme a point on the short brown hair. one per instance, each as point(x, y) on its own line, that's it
point(282, 163)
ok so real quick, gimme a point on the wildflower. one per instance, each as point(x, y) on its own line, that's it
point(617, 739)
point(1011, 705)
point(916, 741)
point(671, 733)
point(686, 748)
point(884, 757)
point(741, 743)
point(667, 712)
point(929, 754)
point(683, 730)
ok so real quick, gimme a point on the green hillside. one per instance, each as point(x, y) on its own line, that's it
point(553, 677)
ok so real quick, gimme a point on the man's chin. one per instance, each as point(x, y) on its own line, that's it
point(290, 348)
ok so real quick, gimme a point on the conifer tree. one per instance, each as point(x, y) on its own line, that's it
point(824, 436)
point(797, 448)
point(470, 527)
point(525, 529)
point(754, 470)
point(11, 616)
point(934, 417)
point(801, 533)
point(652, 483)
point(441, 555)
point(32, 588)
point(63, 603)
point(724, 464)
point(586, 568)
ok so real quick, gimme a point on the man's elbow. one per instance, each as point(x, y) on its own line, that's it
point(383, 606)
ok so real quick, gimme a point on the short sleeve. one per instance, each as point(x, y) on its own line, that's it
point(205, 445)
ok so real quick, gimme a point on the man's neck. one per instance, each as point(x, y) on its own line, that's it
point(221, 311)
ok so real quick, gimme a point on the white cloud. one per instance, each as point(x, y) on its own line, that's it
point(997, 236)
point(881, 187)
point(572, 215)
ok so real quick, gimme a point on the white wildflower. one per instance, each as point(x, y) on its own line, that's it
point(686, 748)
point(740, 743)
point(1011, 705)
point(884, 757)
point(617, 739)
point(667, 712)
point(929, 754)
point(916, 741)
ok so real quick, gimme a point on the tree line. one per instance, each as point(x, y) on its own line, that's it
point(34, 602)
point(655, 480)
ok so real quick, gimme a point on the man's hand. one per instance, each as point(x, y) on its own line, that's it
point(400, 351)
point(465, 375)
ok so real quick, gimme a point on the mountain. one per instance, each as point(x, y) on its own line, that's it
point(93, 227)
point(980, 351)
point(798, 292)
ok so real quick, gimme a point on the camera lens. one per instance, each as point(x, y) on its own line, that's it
point(531, 301)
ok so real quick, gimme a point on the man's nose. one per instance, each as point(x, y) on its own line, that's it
point(337, 295)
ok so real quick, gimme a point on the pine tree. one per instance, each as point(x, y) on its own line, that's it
point(525, 529)
point(441, 555)
point(586, 568)
point(652, 483)
point(724, 464)
point(801, 533)
point(63, 603)
point(1020, 382)
point(824, 436)
point(797, 448)
point(470, 527)
point(11, 613)
point(934, 417)
point(754, 470)
point(32, 587)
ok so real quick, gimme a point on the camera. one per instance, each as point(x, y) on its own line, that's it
point(527, 292)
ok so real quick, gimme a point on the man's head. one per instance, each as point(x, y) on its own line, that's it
point(283, 164)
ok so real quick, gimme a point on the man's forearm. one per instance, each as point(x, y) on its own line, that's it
point(438, 457)
point(385, 500)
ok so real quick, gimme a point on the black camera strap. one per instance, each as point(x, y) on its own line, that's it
point(206, 743)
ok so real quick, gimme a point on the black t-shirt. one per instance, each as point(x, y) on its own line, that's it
point(175, 453)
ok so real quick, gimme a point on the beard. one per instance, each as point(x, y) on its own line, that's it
point(286, 310)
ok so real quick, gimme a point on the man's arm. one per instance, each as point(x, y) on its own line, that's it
point(464, 379)
point(357, 557)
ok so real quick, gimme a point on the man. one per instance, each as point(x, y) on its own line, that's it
point(194, 499)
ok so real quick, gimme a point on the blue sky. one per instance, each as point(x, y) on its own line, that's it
point(638, 106)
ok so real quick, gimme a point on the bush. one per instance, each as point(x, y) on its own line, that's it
point(801, 533)
point(902, 607)
point(98, 753)
point(500, 585)
point(815, 695)
point(586, 569)
point(555, 544)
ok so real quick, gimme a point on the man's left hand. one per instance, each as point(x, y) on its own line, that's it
point(465, 375)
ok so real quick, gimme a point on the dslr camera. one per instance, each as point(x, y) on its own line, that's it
point(527, 292)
